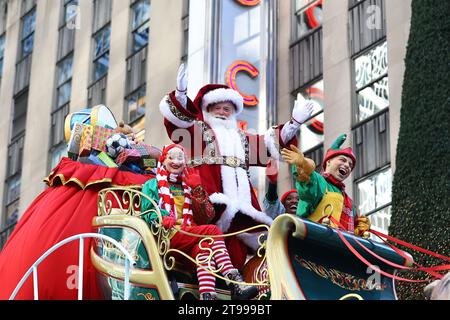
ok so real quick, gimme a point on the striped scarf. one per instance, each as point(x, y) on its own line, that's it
point(166, 201)
point(347, 218)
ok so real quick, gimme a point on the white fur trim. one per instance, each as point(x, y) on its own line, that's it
point(230, 211)
point(164, 108)
point(251, 239)
point(222, 95)
point(270, 144)
point(235, 184)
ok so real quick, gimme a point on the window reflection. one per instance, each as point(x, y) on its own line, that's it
point(375, 191)
point(312, 132)
point(308, 16)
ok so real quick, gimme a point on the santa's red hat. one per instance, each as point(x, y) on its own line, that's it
point(215, 93)
point(335, 151)
point(286, 194)
point(166, 150)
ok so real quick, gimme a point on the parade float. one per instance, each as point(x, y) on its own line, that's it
point(84, 238)
point(299, 259)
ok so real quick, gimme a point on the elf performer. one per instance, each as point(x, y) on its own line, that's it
point(174, 190)
point(273, 205)
point(322, 195)
point(222, 153)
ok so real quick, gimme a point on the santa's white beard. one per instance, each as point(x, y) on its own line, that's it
point(236, 194)
point(230, 123)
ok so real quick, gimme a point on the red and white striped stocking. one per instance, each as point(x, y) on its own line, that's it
point(222, 257)
point(206, 281)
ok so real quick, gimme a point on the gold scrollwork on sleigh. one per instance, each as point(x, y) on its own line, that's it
point(118, 203)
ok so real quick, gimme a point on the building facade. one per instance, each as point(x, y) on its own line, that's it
point(57, 57)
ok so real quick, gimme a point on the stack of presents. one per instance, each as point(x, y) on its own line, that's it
point(94, 137)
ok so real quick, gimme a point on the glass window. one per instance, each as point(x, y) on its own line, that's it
point(101, 66)
point(57, 154)
point(101, 54)
point(308, 17)
point(64, 84)
point(140, 24)
point(372, 83)
point(312, 132)
point(29, 22)
point(371, 66)
point(380, 221)
point(28, 25)
point(70, 10)
point(65, 70)
point(141, 13)
point(64, 92)
point(375, 191)
point(136, 104)
point(373, 99)
point(140, 37)
point(13, 191)
point(102, 41)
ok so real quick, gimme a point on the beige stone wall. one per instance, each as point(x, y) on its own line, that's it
point(40, 102)
point(398, 18)
point(284, 99)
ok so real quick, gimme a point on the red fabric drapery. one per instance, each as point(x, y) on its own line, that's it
point(64, 209)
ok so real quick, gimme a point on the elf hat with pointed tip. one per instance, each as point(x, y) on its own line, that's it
point(336, 150)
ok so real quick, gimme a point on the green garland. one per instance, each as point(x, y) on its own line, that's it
point(421, 187)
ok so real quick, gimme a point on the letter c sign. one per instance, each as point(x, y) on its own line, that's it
point(249, 3)
point(230, 79)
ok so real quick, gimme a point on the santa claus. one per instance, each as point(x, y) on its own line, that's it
point(222, 153)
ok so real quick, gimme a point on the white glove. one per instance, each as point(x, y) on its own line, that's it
point(181, 91)
point(303, 109)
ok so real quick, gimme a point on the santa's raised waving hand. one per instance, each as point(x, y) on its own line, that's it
point(181, 90)
point(302, 111)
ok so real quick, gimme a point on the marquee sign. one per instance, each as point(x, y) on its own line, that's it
point(230, 79)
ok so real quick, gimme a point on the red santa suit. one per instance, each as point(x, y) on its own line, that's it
point(223, 156)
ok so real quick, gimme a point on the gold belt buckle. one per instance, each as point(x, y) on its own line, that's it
point(233, 162)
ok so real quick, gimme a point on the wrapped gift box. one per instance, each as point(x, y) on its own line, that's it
point(99, 136)
point(103, 157)
point(128, 155)
point(73, 147)
point(149, 155)
point(149, 163)
point(86, 141)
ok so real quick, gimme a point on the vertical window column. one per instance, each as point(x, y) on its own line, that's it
point(370, 130)
point(185, 24)
point(3, 16)
point(63, 82)
point(17, 133)
point(307, 71)
point(136, 82)
point(100, 52)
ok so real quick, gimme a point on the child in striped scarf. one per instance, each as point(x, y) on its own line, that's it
point(172, 190)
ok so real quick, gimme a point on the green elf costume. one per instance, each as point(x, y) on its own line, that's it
point(323, 195)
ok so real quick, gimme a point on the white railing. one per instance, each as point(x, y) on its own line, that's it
point(80, 237)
